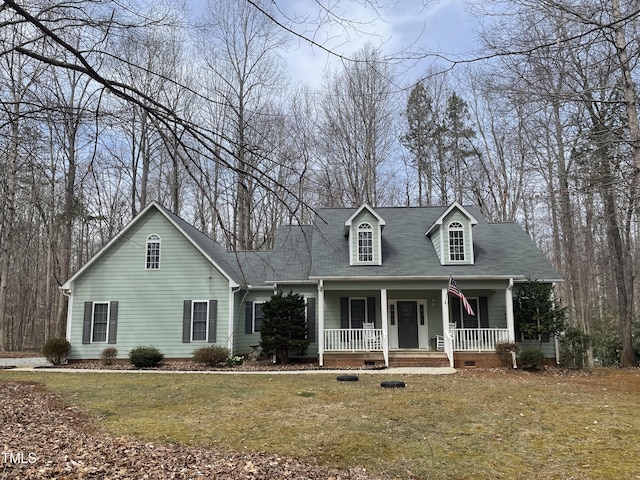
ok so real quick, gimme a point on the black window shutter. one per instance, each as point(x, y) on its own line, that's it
point(186, 322)
point(86, 322)
point(248, 317)
point(311, 319)
point(213, 320)
point(484, 312)
point(344, 312)
point(455, 312)
point(371, 310)
point(113, 322)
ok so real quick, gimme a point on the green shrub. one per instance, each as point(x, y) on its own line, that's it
point(211, 356)
point(531, 359)
point(234, 361)
point(504, 350)
point(108, 355)
point(56, 350)
point(145, 357)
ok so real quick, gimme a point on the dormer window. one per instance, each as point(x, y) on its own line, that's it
point(153, 252)
point(456, 242)
point(363, 230)
point(365, 242)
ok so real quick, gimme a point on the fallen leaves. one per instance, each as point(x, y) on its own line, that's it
point(41, 439)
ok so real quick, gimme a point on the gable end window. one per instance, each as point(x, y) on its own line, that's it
point(365, 242)
point(153, 252)
point(456, 242)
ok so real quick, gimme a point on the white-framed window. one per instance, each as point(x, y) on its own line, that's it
point(358, 314)
point(365, 242)
point(100, 322)
point(456, 242)
point(258, 316)
point(153, 252)
point(199, 320)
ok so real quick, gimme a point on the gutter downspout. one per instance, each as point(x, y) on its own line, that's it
point(69, 294)
point(232, 313)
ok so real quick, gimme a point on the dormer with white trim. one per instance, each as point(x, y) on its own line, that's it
point(452, 236)
point(364, 232)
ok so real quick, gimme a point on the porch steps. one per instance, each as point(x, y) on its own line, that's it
point(417, 358)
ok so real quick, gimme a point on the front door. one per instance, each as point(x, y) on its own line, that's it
point(407, 324)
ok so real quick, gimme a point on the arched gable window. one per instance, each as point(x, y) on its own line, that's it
point(365, 242)
point(456, 242)
point(153, 252)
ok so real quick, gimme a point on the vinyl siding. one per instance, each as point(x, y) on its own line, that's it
point(150, 302)
point(436, 240)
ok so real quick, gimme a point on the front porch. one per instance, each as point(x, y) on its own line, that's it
point(367, 347)
point(412, 326)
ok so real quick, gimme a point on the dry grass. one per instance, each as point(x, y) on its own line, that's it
point(469, 425)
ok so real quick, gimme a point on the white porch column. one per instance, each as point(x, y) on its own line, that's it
point(320, 322)
point(508, 299)
point(385, 325)
point(445, 310)
point(448, 344)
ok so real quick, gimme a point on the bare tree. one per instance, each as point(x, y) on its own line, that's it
point(357, 128)
point(239, 48)
point(575, 57)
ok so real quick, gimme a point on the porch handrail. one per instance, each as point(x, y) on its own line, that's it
point(448, 347)
point(353, 339)
point(478, 339)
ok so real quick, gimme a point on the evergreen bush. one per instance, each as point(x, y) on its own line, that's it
point(284, 327)
point(145, 357)
point(56, 350)
point(531, 359)
point(211, 356)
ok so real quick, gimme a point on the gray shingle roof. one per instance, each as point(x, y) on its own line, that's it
point(501, 249)
point(321, 250)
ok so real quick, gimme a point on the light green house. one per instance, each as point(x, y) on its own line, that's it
point(376, 284)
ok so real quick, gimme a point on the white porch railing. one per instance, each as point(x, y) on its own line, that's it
point(478, 339)
point(353, 339)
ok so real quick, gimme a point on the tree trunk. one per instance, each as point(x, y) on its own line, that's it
point(624, 274)
point(8, 226)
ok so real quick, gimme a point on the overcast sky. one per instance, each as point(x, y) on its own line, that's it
point(443, 26)
point(435, 26)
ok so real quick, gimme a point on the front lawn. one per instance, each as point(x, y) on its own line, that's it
point(468, 425)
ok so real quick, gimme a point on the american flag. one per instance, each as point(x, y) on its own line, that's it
point(455, 290)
